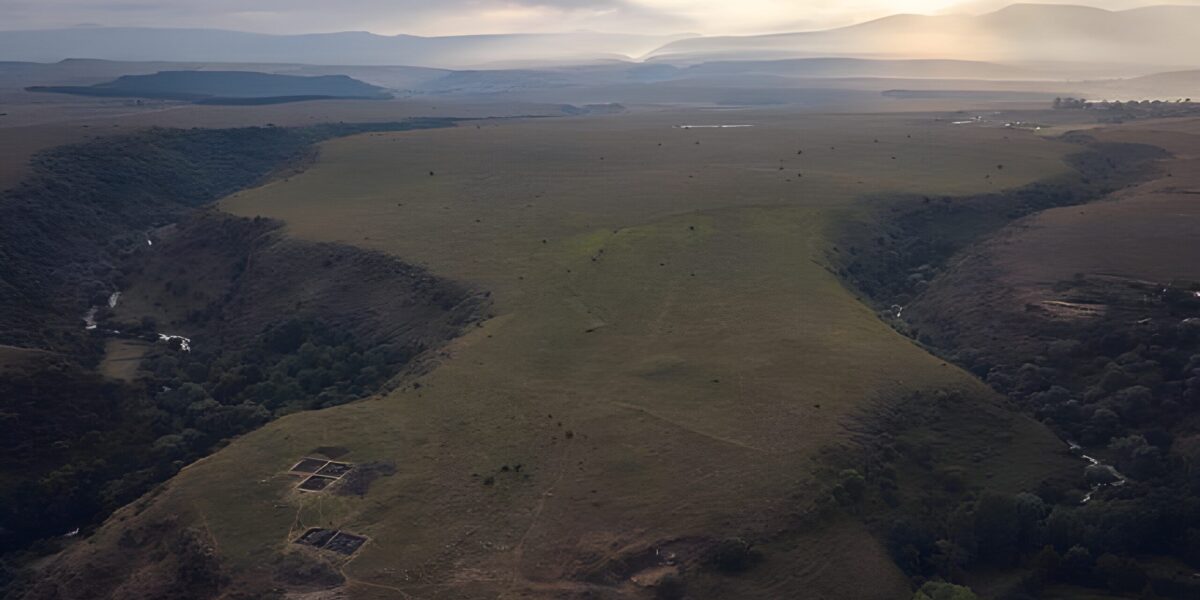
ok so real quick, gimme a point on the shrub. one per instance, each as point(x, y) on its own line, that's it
point(734, 555)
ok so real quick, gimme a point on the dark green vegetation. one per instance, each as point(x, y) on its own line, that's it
point(226, 87)
point(89, 445)
point(1120, 112)
point(927, 485)
point(267, 339)
point(1122, 384)
point(63, 229)
point(892, 258)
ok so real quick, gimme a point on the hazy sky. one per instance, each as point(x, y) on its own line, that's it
point(444, 17)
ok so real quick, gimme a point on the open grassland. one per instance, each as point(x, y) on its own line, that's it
point(122, 357)
point(30, 122)
point(667, 357)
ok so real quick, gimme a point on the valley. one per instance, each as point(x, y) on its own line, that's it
point(616, 355)
point(834, 306)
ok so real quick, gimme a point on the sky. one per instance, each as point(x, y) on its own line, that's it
point(454, 17)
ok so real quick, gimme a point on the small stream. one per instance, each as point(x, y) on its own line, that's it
point(89, 318)
point(185, 344)
point(90, 323)
point(1117, 478)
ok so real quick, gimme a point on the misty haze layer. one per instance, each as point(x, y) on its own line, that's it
point(1042, 34)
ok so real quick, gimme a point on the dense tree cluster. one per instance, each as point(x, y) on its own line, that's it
point(1124, 386)
point(894, 258)
point(63, 229)
point(89, 445)
point(1071, 103)
point(1116, 111)
point(76, 445)
point(940, 524)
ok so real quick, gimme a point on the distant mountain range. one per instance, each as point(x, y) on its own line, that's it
point(1021, 41)
point(350, 48)
point(1026, 33)
point(80, 71)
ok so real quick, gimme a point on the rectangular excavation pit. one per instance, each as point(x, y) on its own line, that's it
point(315, 483)
point(309, 465)
point(345, 543)
point(316, 537)
point(332, 540)
point(319, 473)
point(335, 469)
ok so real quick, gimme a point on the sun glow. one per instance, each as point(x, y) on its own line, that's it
point(755, 16)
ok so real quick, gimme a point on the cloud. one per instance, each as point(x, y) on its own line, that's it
point(984, 6)
point(381, 16)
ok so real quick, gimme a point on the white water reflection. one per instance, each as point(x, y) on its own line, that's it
point(89, 318)
point(90, 324)
point(1117, 478)
point(185, 344)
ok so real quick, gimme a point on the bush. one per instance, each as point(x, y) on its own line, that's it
point(734, 555)
point(940, 590)
point(670, 587)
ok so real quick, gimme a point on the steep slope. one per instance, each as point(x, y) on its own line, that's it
point(65, 228)
point(117, 222)
point(214, 86)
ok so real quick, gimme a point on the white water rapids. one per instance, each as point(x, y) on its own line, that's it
point(185, 344)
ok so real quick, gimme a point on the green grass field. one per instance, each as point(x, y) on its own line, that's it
point(667, 357)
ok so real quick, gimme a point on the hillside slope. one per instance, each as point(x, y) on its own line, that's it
point(219, 86)
point(229, 326)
